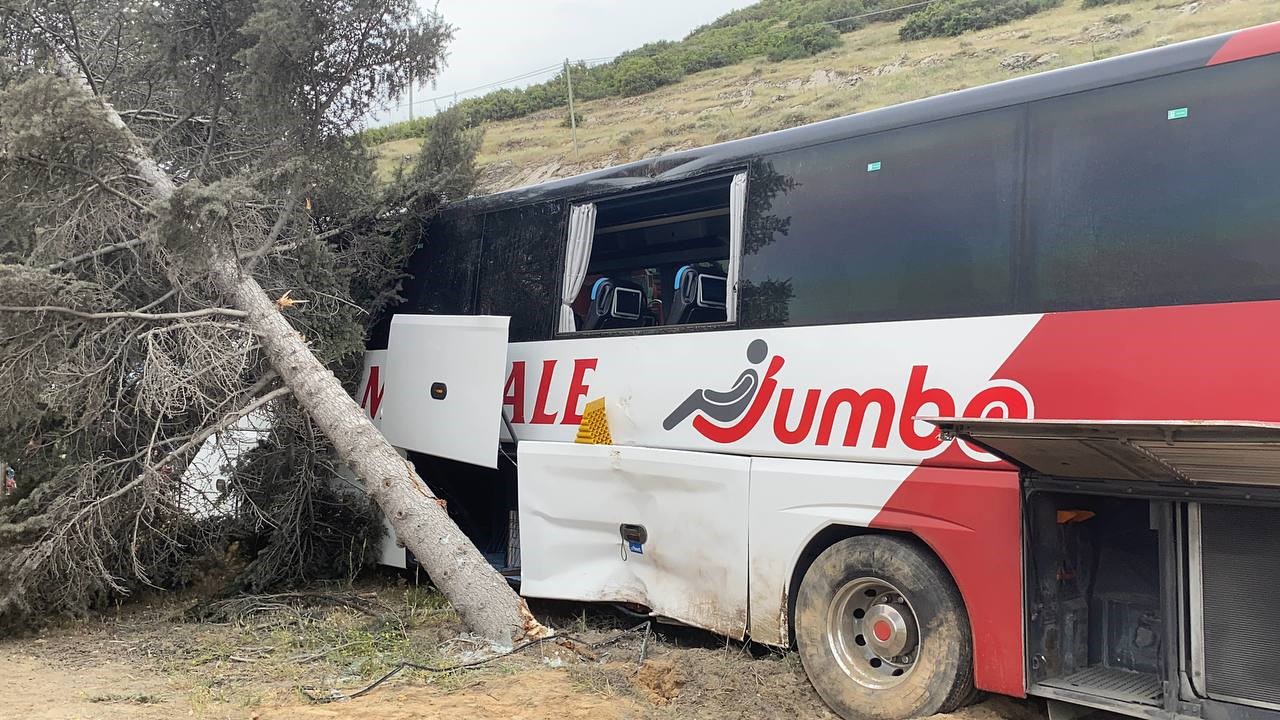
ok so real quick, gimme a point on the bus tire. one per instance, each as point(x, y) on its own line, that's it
point(882, 631)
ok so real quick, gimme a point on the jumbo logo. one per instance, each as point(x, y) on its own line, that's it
point(727, 416)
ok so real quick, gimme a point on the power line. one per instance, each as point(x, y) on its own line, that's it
point(873, 13)
point(523, 76)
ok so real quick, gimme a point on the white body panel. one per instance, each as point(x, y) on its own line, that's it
point(467, 354)
point(693, 566)
point(644, 378)
point(791, 501)
point(574, 497)
point(369, 394)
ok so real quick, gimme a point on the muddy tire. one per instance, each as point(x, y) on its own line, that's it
point(882, 631)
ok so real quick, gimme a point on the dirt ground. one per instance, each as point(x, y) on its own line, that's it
point(297, 656)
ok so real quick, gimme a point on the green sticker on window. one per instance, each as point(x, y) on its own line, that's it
point(872, 167)
point(1177, 113)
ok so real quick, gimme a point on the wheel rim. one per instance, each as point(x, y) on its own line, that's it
point(873, 633)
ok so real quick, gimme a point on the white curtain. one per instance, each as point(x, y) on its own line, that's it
point(737, 217)
point(582, 227)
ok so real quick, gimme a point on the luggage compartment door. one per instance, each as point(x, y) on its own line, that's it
point(443, 389)
point(1183, 452)
point(665, 529)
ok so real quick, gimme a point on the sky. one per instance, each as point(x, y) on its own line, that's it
point(499, 39)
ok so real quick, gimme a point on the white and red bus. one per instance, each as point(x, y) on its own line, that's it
point(968, 394)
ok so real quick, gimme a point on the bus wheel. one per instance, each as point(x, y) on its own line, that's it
point(882, 631)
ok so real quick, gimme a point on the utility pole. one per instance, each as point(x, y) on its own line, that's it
point(573, 119)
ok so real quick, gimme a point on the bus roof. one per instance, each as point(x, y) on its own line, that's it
point(1236, 45)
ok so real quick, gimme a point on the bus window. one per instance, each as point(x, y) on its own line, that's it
point(519, 268)
point(444, 267)
point(1162, 191)
point(650, 259)
point(904, 224)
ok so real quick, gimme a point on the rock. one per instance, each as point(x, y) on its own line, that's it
point(1017, 61)
point(890, 68)
point(822, 78)
point(1047, 58)
point(817, 79)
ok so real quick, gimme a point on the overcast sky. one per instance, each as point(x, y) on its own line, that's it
point(498, 39)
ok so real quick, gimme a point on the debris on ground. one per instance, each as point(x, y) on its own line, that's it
point(397, 651)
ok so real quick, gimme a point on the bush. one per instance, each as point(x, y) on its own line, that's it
point(1099, 3)
point(801, 42)
point(949, 19)
point(400, 131)
point(637, 75)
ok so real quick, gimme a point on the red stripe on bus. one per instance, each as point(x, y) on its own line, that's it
point(1195, 362)
point(1254, 42)
point(1211, 362)
point(970, 519)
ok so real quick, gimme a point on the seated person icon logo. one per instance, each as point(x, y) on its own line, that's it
point(724, 406)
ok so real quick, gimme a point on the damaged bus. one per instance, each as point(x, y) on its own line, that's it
point(967, 394)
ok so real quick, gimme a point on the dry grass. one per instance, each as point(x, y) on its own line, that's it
point(266, 658)
point(870, 69)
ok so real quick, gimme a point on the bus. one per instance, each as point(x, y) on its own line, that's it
point(968, 394)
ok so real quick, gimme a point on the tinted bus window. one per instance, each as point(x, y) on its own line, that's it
point(444, 268)
point(909, 223)
point(520, 268)
point(1164, 191)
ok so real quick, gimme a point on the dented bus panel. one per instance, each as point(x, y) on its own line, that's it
point(661, 529)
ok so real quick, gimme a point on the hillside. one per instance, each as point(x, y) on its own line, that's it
point(870, 68)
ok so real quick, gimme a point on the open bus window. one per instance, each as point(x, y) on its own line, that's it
point(658, 258)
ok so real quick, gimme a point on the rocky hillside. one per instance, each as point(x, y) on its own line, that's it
point(871, 68)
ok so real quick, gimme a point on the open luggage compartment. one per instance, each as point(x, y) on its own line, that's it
point(1094, 611)
point(1152, 562)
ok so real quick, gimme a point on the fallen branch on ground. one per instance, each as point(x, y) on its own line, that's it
point(561, 640)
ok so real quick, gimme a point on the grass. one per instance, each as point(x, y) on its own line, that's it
point(871, 68)
point(394, 153)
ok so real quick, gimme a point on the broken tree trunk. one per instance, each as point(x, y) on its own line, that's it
point(482, 597)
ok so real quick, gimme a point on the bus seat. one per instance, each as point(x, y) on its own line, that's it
point(699, 297)
point(615, 303)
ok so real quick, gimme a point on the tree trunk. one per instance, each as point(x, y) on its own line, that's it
point(482, 597)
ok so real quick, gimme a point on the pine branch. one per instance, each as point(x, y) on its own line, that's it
point(124, 314)
point(96, 253)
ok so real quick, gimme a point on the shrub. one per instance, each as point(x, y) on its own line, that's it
point(1099, 3)
point(399, 131)
point(801, 42)
point(949, 19)
point(637, 75)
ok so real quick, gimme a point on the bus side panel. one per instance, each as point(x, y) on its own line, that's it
point(971, 519)
point(369, 394)
point(968, 517)
point(791, 502)
point(661, 528)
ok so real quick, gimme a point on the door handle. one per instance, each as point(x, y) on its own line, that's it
point(633, 533)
